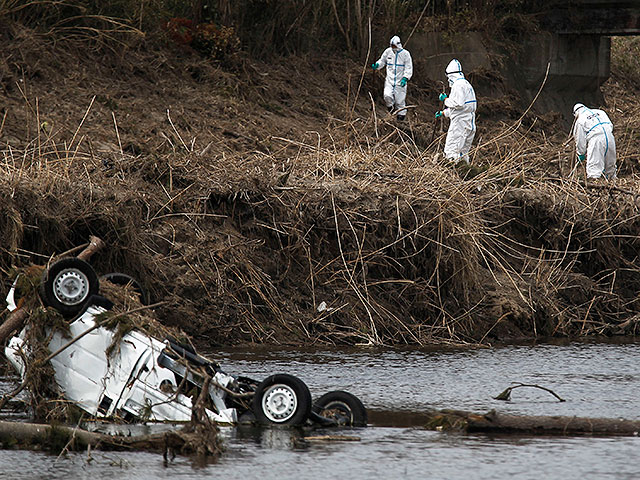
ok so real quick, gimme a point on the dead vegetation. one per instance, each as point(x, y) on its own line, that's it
point(275, 204)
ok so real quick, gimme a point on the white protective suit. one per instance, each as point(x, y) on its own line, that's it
point(593, 133)
point(460, 108)
point(399, 65)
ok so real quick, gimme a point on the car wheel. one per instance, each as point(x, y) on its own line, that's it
point(282, 399)
point(67, 285)
point(123, 279)
point(342, 408)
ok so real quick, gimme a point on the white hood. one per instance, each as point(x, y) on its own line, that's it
point(576, 109)
point(454, 70)
point(395, 40)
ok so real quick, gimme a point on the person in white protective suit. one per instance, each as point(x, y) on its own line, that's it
point(399, 71)
point(460, 107)
point(593, 133)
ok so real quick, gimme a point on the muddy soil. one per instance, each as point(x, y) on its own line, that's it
point(277, 202)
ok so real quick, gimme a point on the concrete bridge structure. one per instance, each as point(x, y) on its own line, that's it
point(573, 41)
point(592, 17)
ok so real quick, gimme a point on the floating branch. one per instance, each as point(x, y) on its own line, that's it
point(506, 395)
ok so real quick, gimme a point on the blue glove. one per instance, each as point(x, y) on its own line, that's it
point(442, 96)
point(581, 158)
point(438, 114)
point(375, 66)
point(403, 82)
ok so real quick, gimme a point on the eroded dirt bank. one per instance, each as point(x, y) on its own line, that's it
point(268, 203)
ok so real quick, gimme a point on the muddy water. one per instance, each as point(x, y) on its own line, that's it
point(595, 379)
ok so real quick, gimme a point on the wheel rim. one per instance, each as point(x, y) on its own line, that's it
point(338, 411)
point(279, 403)
point(71, 287)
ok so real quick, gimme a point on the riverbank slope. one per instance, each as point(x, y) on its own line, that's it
point(277, 202)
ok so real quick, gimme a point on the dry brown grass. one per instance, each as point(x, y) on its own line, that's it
point(248, 218)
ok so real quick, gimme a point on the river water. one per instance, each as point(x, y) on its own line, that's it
point(397, 386)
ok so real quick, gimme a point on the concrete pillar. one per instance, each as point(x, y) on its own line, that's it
point(578, 66)
point(432, 52)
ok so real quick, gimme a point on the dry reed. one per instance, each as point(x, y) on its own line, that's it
point(358, 233)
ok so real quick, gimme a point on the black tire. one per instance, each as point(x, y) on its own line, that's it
point(282, 400)
point(123, 279)
point(67, 285)
point(342, 408)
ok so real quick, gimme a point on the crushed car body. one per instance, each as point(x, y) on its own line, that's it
point(146, 379)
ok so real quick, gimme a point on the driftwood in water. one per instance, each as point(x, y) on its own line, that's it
point(494, 422)
point(506, 395)
point(58, 438)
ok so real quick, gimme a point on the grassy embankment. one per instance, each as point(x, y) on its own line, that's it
point(249, 194)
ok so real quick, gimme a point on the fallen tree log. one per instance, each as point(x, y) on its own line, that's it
point(57, 438)
point(494, 422)
point(14, 323)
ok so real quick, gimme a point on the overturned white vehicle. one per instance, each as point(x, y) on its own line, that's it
point(146, 379)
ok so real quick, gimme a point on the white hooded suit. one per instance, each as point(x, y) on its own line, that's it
point(399, 65)
point(593, 133)
point(460, 107)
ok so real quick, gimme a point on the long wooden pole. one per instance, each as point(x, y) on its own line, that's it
point(31, 434)
point(494, 422)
